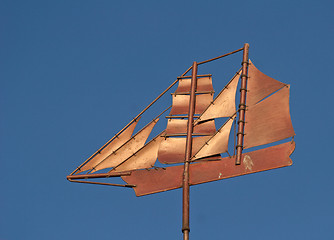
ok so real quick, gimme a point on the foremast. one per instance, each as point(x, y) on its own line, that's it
point(242, 105)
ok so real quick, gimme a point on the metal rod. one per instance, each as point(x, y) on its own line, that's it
point(203, 75)
point(108, 184)
point(212, 59)
point(184, 134)
point(179, 116)
point(186, 71)
point(98, 175)
point(197, 92)
point(185, 215)
point(242, 105)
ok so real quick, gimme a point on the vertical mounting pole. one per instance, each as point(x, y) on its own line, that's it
point(242, 105)
point(185, 213)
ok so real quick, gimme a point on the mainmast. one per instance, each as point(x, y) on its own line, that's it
point(185, 215)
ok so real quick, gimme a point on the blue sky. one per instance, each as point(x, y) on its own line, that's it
point(73, 73)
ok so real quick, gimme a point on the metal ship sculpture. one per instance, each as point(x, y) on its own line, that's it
point(190, 150)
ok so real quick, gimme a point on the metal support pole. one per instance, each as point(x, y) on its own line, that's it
point(185, 215)
point(242, 105)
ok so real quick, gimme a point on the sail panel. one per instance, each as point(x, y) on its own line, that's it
point(172, 150)
point(115, 144)
point(181, 103)
point(126, 150)
point(224, 103)
point(269, 120)
point(203, 84)
point(179, 126)
point(259, 85)
point(160, 180)
point(217, 144)
point(144, 158)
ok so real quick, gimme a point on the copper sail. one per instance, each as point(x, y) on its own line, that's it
point(127, 149)
point(181, 103)
point(269, 120)
point(172, 147)
point(217, 144)
point(143, 158)
point(260, 85)
point(224, 103)
point(267, 116)
point(179, 127)
point(204, 84)
point(115, 144)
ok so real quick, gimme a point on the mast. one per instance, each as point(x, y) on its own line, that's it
point(185, 213)
point(242, 105)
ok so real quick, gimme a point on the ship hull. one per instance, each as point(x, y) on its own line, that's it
point(160, 180)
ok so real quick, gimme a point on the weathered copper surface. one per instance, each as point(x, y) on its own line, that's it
point(269, 120)
point(224, 104)
point(216, 144)
point(160, 180)
point(256, 161)
point(144, 158)
point(116, 143)
point(172, 150)
point(260, 85)
point(127, 149)
point(155, 180)
point(179, 126)
point(181, 103)
point(203, 84)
